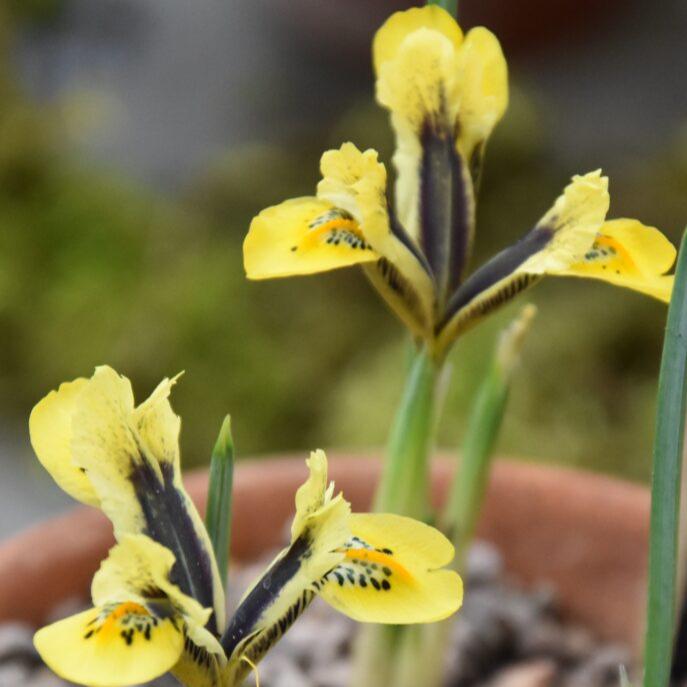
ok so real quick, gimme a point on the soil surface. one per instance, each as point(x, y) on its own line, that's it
point(503, 636)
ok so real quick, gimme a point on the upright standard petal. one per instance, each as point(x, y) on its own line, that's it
point(445, 95)
point(142, 626)
point(126, 459)
point(560, 239)
point(392, 572)
point(434, 194)
point(482, 90)
point(400, 25)
point(278, 597)
point(627, 253)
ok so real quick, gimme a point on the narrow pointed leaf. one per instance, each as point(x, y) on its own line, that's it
point(469, 485)
point(218, 515)
point(665, 487)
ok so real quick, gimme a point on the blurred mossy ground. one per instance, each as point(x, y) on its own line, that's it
point(96, 269)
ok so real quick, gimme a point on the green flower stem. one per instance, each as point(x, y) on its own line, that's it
point(403, 487)
point(665, 487)
point(450, 6)
point(409, 656)
point(218, 513)
point(420, 656)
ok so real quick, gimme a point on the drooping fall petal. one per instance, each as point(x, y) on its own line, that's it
point(559, 240)
point(392, 572)
point(347, 223)
point(627, 253)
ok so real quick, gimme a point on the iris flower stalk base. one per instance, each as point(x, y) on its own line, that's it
point(404, 489)
point(408, 656)
point(404, 485)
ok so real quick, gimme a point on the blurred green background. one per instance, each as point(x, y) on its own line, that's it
point(104, 261)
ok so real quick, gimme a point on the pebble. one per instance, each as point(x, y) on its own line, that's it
point(336, 674)
point(281, 672)
point(539, 673)
point(602, 668)
point(484, 564)
point(14, 674)
point(16, 644)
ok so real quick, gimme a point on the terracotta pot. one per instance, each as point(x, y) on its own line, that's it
point(584, 534)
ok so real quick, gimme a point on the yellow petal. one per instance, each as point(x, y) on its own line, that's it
point(197, 667)
point(481, 89)
point(276, 599)
point(140, 569)
point(158, 425)
point(158, 429)
point(131, 457)
point(105, 446)
point(311, 495)
point(629, 254)
point(573, 223)
point(356, 181)
point(50, 428)
point(415, 86)
point(137, 565)
point(118, 644)
point(560, 239)
point(303, 236)
point(437, 88)
point(392, 573)
point(400, 24)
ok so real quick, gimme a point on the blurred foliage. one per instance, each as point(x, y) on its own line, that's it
point(95, 269)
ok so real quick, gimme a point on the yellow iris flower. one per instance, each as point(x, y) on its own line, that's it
point(445, 93)
point(123, 458)
point(158, 603)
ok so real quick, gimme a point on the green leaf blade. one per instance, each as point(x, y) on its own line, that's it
point(220, 484)
point(665, 487)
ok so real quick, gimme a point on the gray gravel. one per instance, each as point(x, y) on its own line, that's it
point(503, 637)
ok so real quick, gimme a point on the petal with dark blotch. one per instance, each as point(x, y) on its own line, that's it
point(125, 459)
point(303, 236)
point(560, 239)
point(287, 587)
point(446, 209)
point(198, 667)
point(393, 572)
point(109, 646)
point(629, 254)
